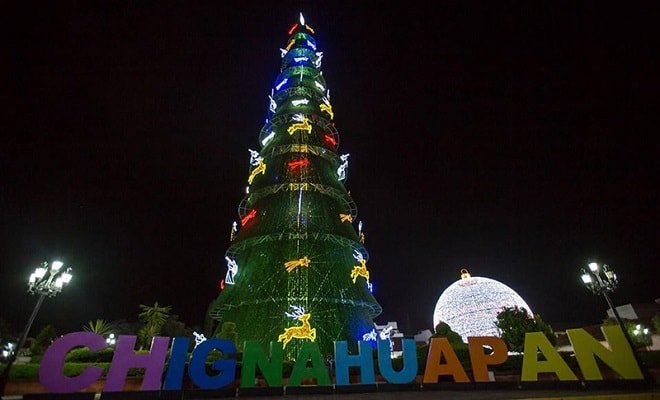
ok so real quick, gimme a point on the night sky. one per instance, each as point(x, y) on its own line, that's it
point(516, 139)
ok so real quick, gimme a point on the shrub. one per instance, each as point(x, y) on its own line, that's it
point(83, 355)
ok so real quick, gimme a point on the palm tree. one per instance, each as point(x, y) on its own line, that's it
point(100, 327)
point(153, 317)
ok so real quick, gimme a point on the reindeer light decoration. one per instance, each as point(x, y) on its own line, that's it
point(232, 270)
point(386, 334)
point(304, 331)
point(345, 217)
point(293, 264)
point(370, 336)
point(341, 171)
point(260, 169)
point(301, 123)
point(360, 270)
point(327, 107)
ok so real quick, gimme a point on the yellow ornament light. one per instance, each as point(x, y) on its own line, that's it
point(293, 264)
point(327, 108)
point(304, 331)
point(346, 217)
point(260, 169)
point(302, 125)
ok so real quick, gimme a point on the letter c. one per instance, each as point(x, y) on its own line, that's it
point(51, 370)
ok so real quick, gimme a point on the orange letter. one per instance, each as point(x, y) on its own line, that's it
point(441, 347)
point(480, 361)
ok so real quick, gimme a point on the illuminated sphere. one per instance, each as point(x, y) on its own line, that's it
point(470, 305)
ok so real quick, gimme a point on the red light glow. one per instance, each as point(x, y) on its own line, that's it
point(293, 28)
point(247, 218)
point(294, 165)
point(330, 140)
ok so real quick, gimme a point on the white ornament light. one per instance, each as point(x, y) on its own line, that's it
point(199, 338)
point(359, 227)
point(232, 270)
point(299, 102)
point(273, 104)
point(234, 230)
point(298, 117)
point(255, 158)
point(268, 138)
point(358, 256)
point(284, 51)
point(318, 85)
point(299, 59)
point(312, 45)
point(470, 305)
point(279, 85)
point(302, 20)
point(341, 171)
point(317, 61)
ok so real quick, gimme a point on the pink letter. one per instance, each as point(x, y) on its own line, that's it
point(125, 358)
point(51, 373)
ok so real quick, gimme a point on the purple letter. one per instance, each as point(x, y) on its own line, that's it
point(125, 358)
point(50, 370)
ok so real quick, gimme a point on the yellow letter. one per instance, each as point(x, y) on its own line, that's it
point(534, 342)
point(453, 367)
point(619, 357)
point(480, 361)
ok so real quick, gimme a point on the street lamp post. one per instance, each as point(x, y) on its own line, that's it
point(46, 281)
point(603, 280)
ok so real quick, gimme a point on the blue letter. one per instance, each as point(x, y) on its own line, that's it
point(225, 367)
point(409, 370)
point(178, 354)
point(363, 360)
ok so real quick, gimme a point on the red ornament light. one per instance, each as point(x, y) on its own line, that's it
point(221, 285)
point(293, 28)
point(294, 165)
point(251, 214)
point(330, 140)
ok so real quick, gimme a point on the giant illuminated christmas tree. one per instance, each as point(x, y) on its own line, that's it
point(297, 268)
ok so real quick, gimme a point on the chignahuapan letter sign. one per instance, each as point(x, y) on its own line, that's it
point(441, 361)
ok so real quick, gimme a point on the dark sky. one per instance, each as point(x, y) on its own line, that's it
point(514, 138)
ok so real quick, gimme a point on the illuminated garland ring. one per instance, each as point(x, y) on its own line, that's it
point(239, 245)
point(283, 120)
point(251, 198)
point(373, 308)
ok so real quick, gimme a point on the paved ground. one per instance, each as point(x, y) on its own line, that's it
point(481, 394)
point(651, 394)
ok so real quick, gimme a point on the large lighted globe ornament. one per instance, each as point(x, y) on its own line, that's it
point(470, 305)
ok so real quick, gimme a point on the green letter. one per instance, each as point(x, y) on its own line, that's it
point(309, 351)
point(535, 342)
point(619, 357)
point(253, 356)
